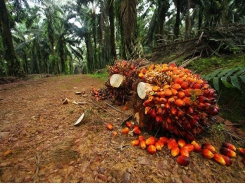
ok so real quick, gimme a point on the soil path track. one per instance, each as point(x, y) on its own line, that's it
point(38, 142)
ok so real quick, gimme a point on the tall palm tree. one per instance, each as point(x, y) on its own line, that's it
point(13, 64)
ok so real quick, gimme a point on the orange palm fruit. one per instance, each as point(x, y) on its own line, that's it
point(171, 100)
point(171, 143)
point(167, 106)
point(135, 142)
point(168, 92)
point(158, 146)
point(114, 133)
point(174, 111)
point(141, 75)
point(207, 153)
point(179, 103)
point(219, 159)
point(156, 88)
point(160, 94)
point(109, 126)
point(197, 147)
point(241, 151)
point(142, 144)
point(151, 149)
point(184, 151)
point(175, 151)
point(166, 86)
point(176, 86)
point(181, 94)
point(208, 146)
point(161, 143)
point(181, 142)
point(164, 139)
point(129, 124)
point(228, 161)
point(178, 80)
point(185, 85)
point(229, 145)
point(197, 86)
point(125, 130)
point(174, 91)
point(227, 152)
point(169, 120)
point(189, 147)
point(183, 160)
point(150, 141)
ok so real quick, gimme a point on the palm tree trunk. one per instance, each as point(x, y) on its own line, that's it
point(177, 22)
point(112, 30)
point(13, 64)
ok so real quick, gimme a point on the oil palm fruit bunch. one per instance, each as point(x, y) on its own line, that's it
point(176, 100)
point(121, 77)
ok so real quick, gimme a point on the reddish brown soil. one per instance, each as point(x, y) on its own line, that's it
point(39, 142)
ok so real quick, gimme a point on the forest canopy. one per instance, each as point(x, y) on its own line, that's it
point(66, 37)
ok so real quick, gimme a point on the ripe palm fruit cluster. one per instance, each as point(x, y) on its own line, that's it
point(176, 100)
point(121, 77)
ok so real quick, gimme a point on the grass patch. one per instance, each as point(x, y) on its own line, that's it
point(101, 74)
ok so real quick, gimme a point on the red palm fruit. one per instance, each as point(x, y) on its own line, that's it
point(169, 120)
point(207, 105)
point(178, 80)
point(156, 100)
point(141, 137)
point(183, 160)
point(171, 143)
point(164, 140)
point(185, 85)
point(219, 159)
point(142, 144)
point(206, 86)
point(197, 147)
point(190, 110)
point(114, 133)
point(197, 86)
point(151, 149)
point(174, 111)
point(125, 130)
point(201, 106)
point(179, 103)
point(184, 151)
point(175, 151)
point(181, 142)
point(229, 145)
point(214, 111)
point(159, 119)
point(243, 160)
point(161, 143)
point(109, 126)
point(132, 66)
point(158, 146)
point(180, 113)
point(129, 124)
point(202, 99)
point(189, 147)
point(174, 91)
point(181, 94)
point(241, 151)
point(135, 142)
point(200, 81)
point(153, 113)
point(168, 92)
point(227, 152)
point(147, 102)
point(176, 86)
point(136, 131)
point(228, 161)
point(207, 153)
point(150, 141)
point(208, 146)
